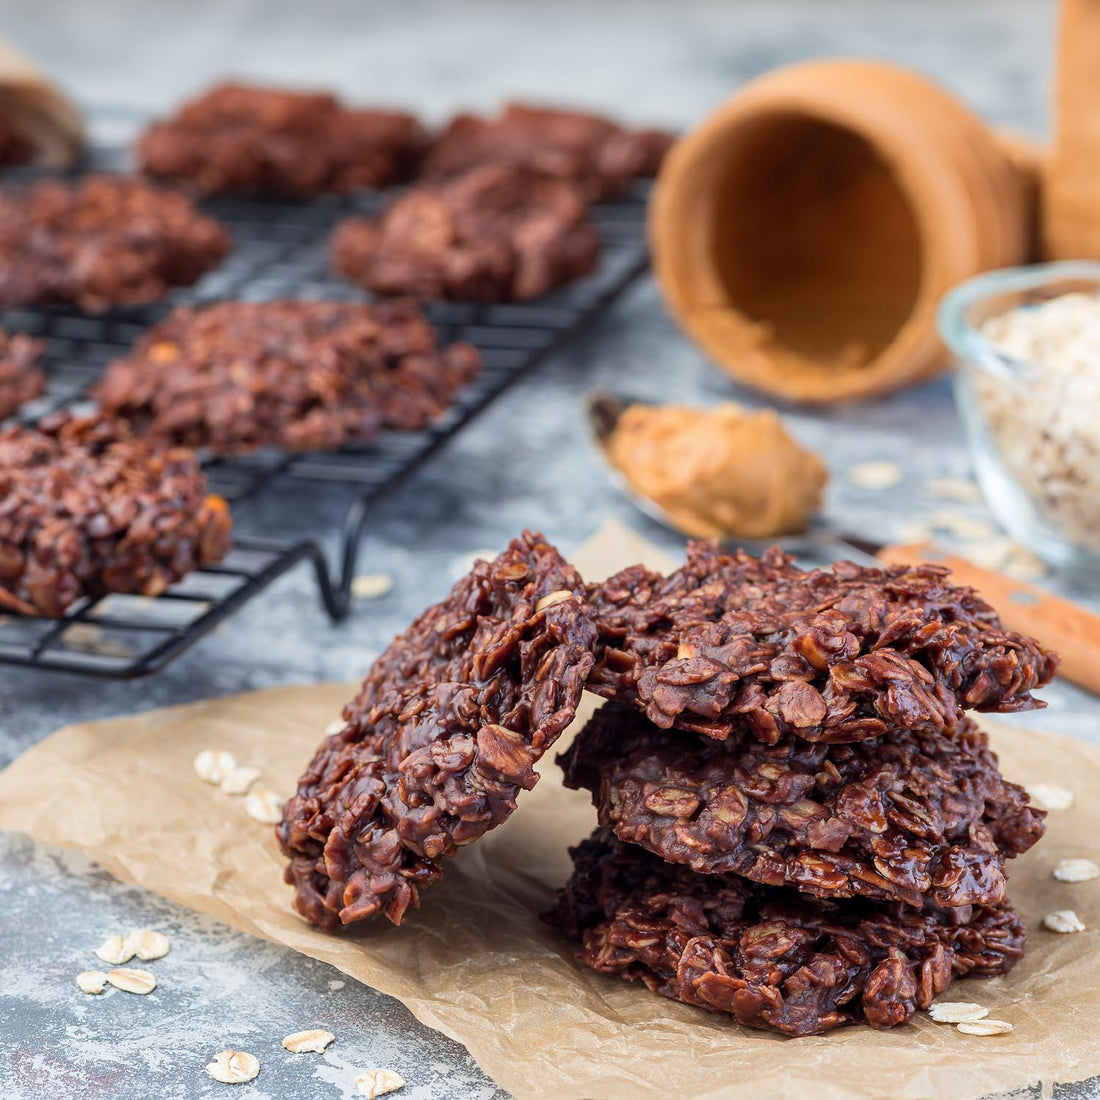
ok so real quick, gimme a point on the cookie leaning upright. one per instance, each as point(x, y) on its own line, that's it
point(442, 737)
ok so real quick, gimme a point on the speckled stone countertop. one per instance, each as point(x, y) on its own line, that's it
point(650, 61)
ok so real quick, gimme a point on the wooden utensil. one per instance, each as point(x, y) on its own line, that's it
point(1068, 629)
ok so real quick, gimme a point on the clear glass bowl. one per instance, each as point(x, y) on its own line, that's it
point(1036, 452)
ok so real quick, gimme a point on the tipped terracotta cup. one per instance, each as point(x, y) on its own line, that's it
point(805, 232)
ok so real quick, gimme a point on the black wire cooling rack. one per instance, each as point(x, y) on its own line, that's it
point(280, 250)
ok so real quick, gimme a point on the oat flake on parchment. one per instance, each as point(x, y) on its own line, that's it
point(984, 1027)
point(1049, 796)
point(1065, 921)
point(1076, 870)
point(957, 1012)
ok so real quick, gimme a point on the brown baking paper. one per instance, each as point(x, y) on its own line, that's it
point(477, 963)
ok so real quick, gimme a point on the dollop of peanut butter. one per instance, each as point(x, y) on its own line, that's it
point(724, 471)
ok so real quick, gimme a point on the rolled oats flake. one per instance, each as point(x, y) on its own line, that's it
point(91, 981)
point(313, 1041)
point(1049, 796)
point(957, 1012)
point(212, 765)
point(239, 780)
point(964, 490)
point(264, 806)
point(1076, 870)
point(984, 1027)
point(371, 586)
point(552, 598)
point(378, 1082)
point(114, 950)
point(147, 944)
point(967, 528)
point(233, 1067)
point(1063, 920)
point(876, 475)
point(131, 980)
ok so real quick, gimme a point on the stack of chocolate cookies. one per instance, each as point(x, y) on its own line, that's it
point(798, 824)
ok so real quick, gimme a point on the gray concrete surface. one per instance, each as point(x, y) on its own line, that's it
point(667, 62)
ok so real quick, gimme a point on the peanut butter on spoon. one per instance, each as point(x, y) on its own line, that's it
point(727, 471)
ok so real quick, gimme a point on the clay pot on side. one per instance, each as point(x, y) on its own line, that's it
point(805, 232)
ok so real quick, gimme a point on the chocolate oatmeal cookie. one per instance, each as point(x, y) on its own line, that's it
point(109, 240)
point(913, 817)
point(442, 739)
point(730, 641)
point(86, 509)
point(496, 234)
point(597, 156)
point(769, 957)
point(269, 141)
point(21, 380)
point(299, 375)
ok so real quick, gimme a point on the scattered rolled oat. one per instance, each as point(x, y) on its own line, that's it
point(988, 553)
point(910, 531)
point(334, 727)
point(233, 1067)
point(1076, 870)
point(89, 638)
point(264, 806)
point(239, 780)
point(881, 474)
point(962, 489)
point(957, 1012)
point(379, 1082)
point(967, 528)
point(371, 586)
point(312, 1041)
point(114, 950)
point(91, 981)
point(130, 980)
point(1063, 920)
point(147, 945)
point(984, 1027)
point(1024, 564)
point(1048, 796)
point(212, 765)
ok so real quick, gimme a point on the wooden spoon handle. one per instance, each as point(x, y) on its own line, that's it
point(1069, 630)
